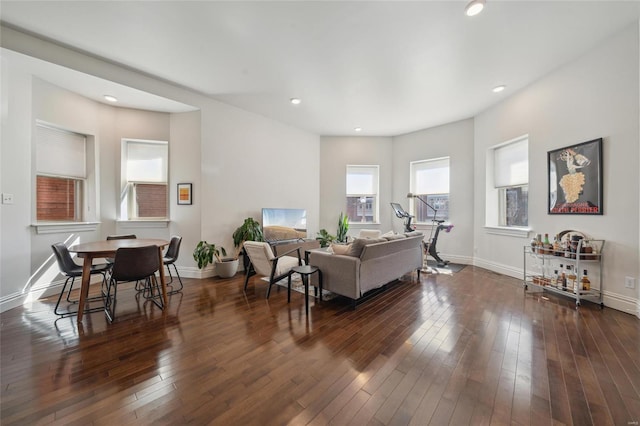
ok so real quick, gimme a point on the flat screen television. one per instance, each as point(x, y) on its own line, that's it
point(284, 224)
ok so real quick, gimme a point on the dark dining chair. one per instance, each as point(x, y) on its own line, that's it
point(72, 270)
point(133, 264)
point(119, 237)
point(170, 257)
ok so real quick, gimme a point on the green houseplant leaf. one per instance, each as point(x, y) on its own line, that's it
point(343, 227)
point(250, 230)
point(325, 238)
point(205, 252)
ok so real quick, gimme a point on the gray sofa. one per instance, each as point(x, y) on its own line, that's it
point(381, 261)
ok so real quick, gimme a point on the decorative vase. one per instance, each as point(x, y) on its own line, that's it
point(227, 268)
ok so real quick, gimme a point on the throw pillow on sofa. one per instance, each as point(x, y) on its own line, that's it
point(343, 249)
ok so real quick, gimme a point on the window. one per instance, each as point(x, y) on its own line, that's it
point(145, 175)
point(430, 181)
point(61, 172)
point(510, 183)
point(362, 194)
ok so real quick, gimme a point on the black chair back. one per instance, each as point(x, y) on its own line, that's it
point(65, 261)
point(122, 237)
point(135, 263)
point(173, 250)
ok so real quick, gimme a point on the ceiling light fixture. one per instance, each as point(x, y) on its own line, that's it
point(110, 98)
point(358, 129)
point(295, 101)
point(499, 89)
point(474, 7)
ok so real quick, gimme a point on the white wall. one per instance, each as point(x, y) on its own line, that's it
point(238, 162)
point(15, 157)
point(107, 125)
point(454, 140)
point(250, 162)
point(338, 152)
point(591, 97)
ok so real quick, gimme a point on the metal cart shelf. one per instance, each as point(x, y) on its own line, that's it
point(539, 265)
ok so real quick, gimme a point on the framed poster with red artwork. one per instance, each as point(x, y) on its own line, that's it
point(575, 179)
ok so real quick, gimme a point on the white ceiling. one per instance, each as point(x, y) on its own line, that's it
point(390, 67)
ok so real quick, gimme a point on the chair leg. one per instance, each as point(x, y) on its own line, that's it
point(157, 300)
point(104, 277)
point(109, 302)
point(64, 286)
point(69, 313)
point(177, 275)
point(289, 288)
point(247, 275)
point(269, 289)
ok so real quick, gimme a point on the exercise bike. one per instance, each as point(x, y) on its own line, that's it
point(429, 246)
point(402, 214)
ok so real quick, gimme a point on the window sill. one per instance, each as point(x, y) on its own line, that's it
point(363, 225)
point(141, 223)
point(60, 227)
point(507, 231)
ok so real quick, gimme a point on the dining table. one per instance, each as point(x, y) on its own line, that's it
point(107, 248)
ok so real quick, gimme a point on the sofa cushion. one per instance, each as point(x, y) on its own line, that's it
point(341, 248)
point(394, 237)
point(369, 233)
point(412, 233)
point(358, 244)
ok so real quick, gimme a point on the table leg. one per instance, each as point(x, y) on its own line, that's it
point(84, 289)
point(163, 283)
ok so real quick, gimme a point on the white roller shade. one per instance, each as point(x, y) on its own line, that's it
point(511, 164)
point(362, 180)
point(431, 176)
point(147, 162)
point(60, 153)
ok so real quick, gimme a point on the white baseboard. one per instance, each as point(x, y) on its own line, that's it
point(622, 303)
point(50, 289)
point(499, 268)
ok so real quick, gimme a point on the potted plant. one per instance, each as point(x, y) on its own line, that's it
point(343, 227)
point(250, 230)
point(226, 267)
point(325, 238)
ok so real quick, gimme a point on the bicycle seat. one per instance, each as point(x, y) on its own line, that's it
point(439, 221)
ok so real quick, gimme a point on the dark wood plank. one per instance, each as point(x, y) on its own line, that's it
point(470, 348)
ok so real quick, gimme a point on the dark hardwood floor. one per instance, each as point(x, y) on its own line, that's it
point(470, 348)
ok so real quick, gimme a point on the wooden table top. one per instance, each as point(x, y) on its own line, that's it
point(110, 246)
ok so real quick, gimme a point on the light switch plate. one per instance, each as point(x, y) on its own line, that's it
point(629, 282)
point(7, 198)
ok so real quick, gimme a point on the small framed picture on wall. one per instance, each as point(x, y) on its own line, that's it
point(185, 194)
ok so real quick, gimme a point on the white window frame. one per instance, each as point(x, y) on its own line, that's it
point(86, 198)
point(128, 208)
point(495, 196)
point(414, 166)
point(375, 190)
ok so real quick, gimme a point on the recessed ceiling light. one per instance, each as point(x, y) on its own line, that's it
point(358, 129)
point(499, 89)
point(474, 7)
point(111, 98)
point(295, 101)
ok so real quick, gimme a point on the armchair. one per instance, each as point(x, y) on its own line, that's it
point(265, 263)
